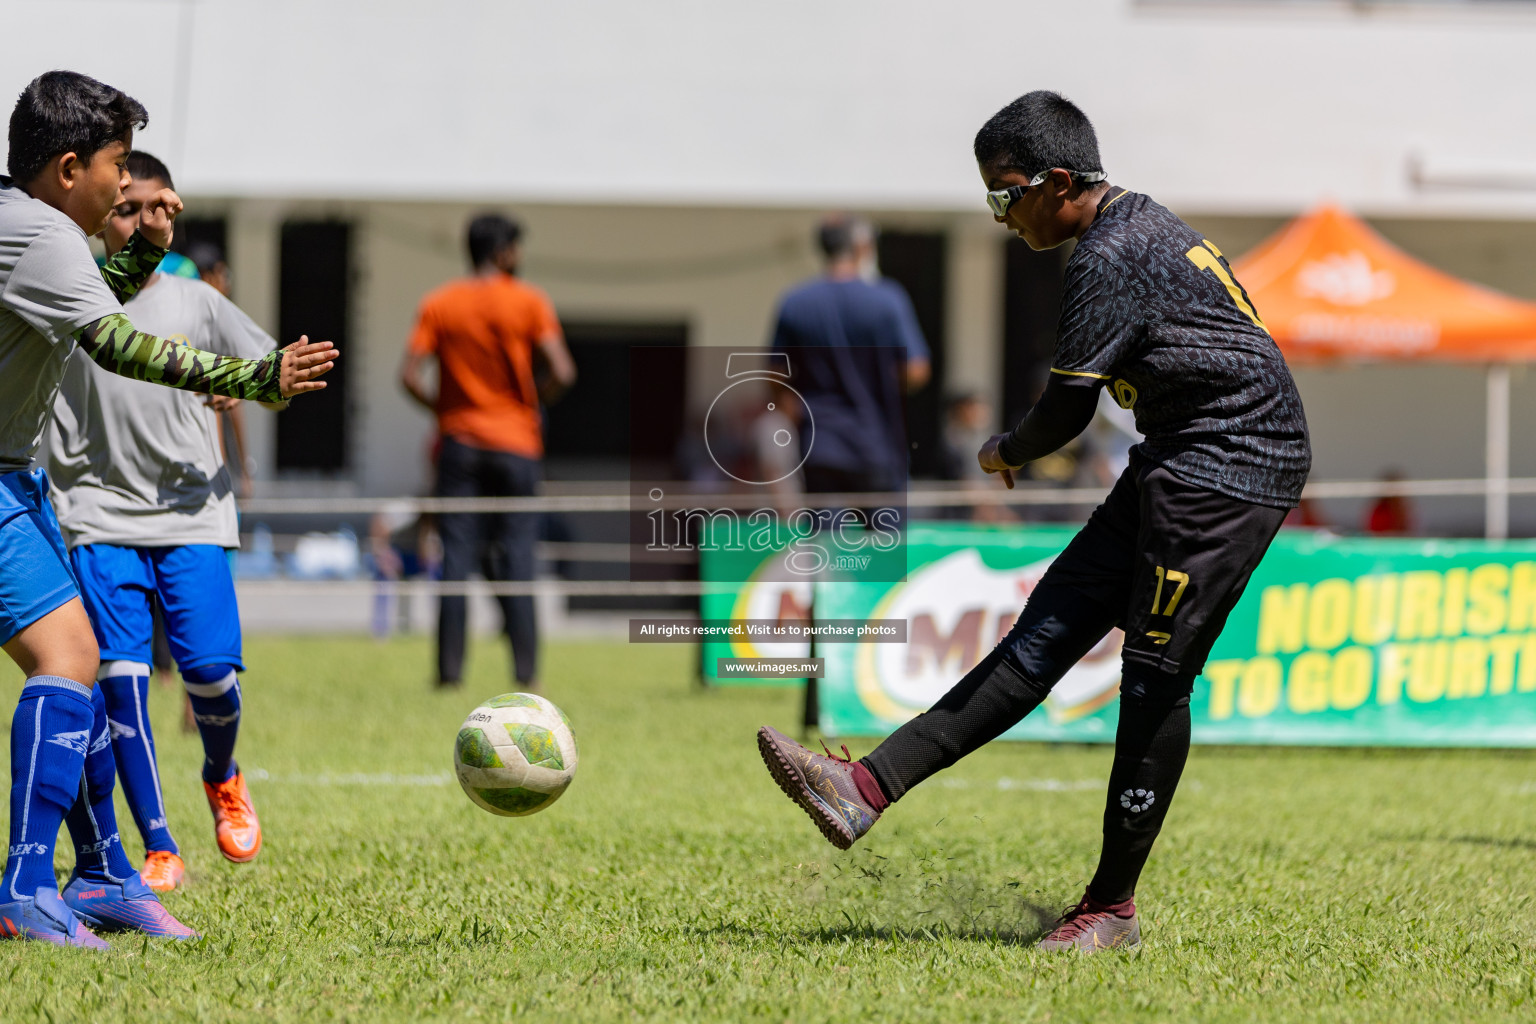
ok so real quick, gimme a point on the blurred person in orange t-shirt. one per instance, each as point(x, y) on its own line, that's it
point(499, 352)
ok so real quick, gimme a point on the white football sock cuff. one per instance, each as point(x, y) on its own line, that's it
point(113, 669)
point(215, 689)
point(60, 681)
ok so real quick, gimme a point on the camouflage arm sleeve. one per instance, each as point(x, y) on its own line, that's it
point(114, 344)
point(127, 269)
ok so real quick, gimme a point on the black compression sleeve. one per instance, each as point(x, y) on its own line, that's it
point(1063, 412)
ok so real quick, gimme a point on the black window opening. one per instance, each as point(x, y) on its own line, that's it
point(314, 299)
point(1031, 306)
point(586, 432)
point(919, 262)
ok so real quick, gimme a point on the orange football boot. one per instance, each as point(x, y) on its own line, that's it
point(162, 870)
point(234, 819)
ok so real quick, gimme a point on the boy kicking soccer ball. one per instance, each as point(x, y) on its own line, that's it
point(70, 137)
point(1151, 311)
point(148, 510)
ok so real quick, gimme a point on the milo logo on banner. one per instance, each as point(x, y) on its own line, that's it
point(778, 601)
point(956, 610)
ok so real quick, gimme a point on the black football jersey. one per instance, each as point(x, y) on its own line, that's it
point(1152, 311)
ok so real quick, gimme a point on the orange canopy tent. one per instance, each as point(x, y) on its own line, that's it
point(1329, 288)
point(1332, 290)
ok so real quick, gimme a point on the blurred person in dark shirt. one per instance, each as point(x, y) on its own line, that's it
point(968, 424)
point(857, 351)
point(403, 544)
point(208, 258)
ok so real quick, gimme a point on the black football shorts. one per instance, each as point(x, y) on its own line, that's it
point(1168, 560)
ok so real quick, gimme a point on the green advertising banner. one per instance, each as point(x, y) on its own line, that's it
point(1337, 641)
point(763, 595)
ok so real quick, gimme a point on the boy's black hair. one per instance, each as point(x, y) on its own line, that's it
point(205, 256)
point(144, 166)
point(490, 233)
point(1036, 132)
point(66, 112)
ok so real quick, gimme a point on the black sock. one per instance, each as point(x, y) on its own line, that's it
point(1058, 626)
point(1151, 746)
point(982, 706)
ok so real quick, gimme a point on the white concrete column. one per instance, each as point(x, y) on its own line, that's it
point(253, 260)
point(1496, 516)
point(975, 309)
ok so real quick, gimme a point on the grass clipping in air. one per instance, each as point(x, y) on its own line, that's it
point(674, 882)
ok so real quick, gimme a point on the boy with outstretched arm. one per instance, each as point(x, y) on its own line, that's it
point(70, 137)
point(147, 507)
point(1150, 310)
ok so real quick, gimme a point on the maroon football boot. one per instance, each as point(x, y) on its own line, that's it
point(1091, 926)
point(839, 794)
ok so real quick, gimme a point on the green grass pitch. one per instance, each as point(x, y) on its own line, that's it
point(673, 882)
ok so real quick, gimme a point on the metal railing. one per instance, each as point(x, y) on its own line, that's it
point(614, 499)
point(919, 497)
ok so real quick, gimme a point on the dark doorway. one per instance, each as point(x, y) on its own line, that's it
point(587, 437)
point(1031, 307)
point(919, 261)
point(314, 298)
point(591, 421)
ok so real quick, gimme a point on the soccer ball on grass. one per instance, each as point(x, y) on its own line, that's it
point(515, 754)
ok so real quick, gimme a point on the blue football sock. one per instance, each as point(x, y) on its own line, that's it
point(49, 737)
point(92, 820)
point(215, 693)
point(125, 685)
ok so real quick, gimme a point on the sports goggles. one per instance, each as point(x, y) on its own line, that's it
point(1000, 200)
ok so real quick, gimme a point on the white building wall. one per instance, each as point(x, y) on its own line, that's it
point(1214, 106)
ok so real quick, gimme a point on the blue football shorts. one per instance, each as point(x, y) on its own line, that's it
point(35, 576)
point(193, 585)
